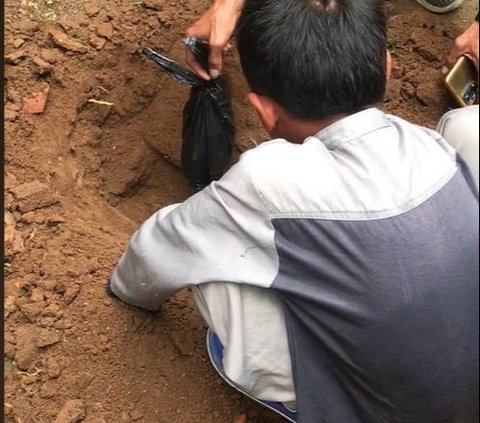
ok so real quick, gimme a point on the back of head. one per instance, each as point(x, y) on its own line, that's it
point(315, 58)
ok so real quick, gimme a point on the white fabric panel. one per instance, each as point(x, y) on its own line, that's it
point(249, 322)
point(460, 128)
point(329, 175)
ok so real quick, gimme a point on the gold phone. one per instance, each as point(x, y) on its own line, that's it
point(462, 82)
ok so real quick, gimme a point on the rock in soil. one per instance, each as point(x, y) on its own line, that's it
point(184, 342)
point(154, 4)
point(97, 42)
point(32, 310)
point(52, 367)
point(105, 30)
point(43, 68)
point(34, 195)
point(71, 293)
point(49, 55)
point(13, 240)
point(64, 41)
point(91, 9)
point(37, 102)
point(48, 390)
point(15, 58)
point(72, 412)
point(26, 356)
point(136, 414)
point(45, 338)
point(428, 93)
point(10, 114)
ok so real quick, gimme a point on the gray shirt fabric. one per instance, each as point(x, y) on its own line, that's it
point(368, 235)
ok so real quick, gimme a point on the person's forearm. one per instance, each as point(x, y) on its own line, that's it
point(235, 5)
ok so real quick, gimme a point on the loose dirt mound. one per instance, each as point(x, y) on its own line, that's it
point(81, 175)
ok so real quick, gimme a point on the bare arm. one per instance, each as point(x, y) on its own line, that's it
point(216, 26)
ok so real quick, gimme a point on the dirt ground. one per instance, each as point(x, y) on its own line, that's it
point(101, 157)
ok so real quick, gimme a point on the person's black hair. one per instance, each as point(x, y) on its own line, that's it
point(316, 58)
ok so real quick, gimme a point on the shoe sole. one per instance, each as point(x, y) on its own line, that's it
point(438, 9)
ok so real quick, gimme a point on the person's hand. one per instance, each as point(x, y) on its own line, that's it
point(465, 45)
point(216, 27)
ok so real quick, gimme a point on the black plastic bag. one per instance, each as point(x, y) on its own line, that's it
point(208, 130)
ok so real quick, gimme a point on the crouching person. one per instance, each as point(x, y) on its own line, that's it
point(338, 263)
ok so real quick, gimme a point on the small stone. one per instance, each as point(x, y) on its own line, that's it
point(49, 55)
point(10, 306)
point(15, 58)
point(13, 240)
point(26, 356)
point(398, 70)
point(10, 115)
point(45, 338)
point(42, 217)
point(428, 93)
point(47, 284)
point(63, 324)
point(34, 195)
point(53, 310)
point(83, 380)
point(91, 9)
point(29, 379)
point(43, 68)
point(10, 181)
point(36, 295)
point(52, 367)
point(164, 18)
point(183, 342)
point(105, 30)
point(9, 350)
point(61, 39)
point(9, 201)
point(97, 42)
point(136, 414)
point(154, 4)
point(32, 310)
point(124, 417)
point(19, 42)
point(71, 293)
point(394, 87)
point(72, 412)
point(48, 390)
point(428, 53)
point(407, 91)
point(8, 408)
point(37, 102)
point(46, 322)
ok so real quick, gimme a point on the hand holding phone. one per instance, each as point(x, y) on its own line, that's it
point(462, 82)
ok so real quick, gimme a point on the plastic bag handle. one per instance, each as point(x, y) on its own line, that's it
point(177, 72)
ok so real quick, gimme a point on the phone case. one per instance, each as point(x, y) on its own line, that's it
point(462, 82)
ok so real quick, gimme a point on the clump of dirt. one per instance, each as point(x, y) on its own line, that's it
point(99, 155)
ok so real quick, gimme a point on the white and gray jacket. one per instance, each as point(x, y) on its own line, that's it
point(362, 243)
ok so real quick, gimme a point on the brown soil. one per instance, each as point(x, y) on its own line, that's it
point(81, 176)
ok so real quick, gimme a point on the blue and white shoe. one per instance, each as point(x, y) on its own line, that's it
point(215, 352)
point(440, 6)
